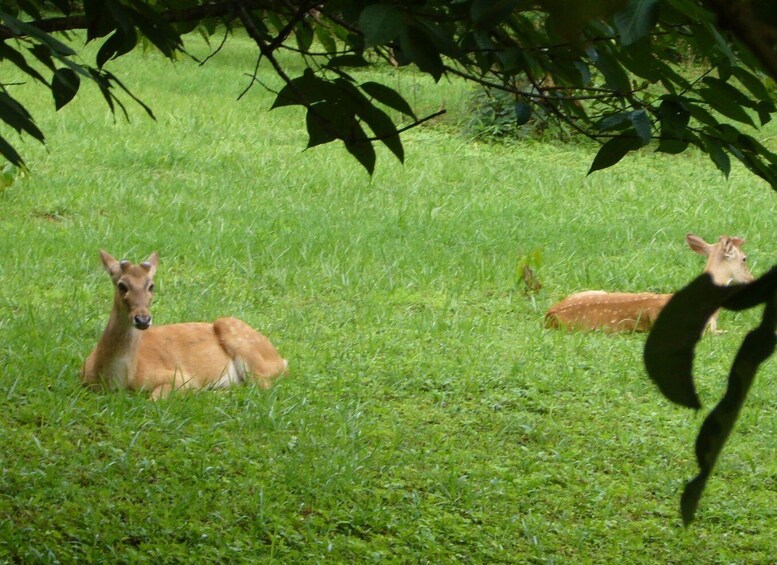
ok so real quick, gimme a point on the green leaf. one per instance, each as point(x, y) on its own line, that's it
point(612, 122)
point(672, 146)
point(636, 20)
point(116, 45)
point(304, 36)
point(18, 59)
point(304, 90)
point(674, 114)
point(347, 61)
point(642, 125)
point(64, 86)
point(16, 116)
point(487, 14)
point(614, 75)
point(729, 91)
point(757, 347)
point(388, 97)
point(360, 147)
point(385, 130)
point(324, 37)
point(18, 27)
point(522, 113)
point(7, 151)
point(381, 24)
point(613, 151)
point(329, 120)
point(751, 82)
point(669, 349)
point(421, 50)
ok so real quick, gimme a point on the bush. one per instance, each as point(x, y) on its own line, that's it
point(496, 115)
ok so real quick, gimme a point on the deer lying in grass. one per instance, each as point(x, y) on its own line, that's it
point(132, 354)
point(626, 312)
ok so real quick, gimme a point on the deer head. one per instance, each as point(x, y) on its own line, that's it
point(134, 288)
point(726, 262)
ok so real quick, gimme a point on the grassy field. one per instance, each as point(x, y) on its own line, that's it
point(428, 416)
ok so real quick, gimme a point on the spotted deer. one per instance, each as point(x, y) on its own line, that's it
point(133, 354)
point(634, 312)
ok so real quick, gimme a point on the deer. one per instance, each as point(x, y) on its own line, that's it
point(133, 354)
point(637, 312)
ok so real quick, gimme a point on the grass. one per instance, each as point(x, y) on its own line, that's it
point(428, 416)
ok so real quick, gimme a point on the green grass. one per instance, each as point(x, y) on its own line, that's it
point(428, 416)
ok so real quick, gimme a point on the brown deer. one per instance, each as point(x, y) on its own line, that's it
point(133, 354)
point(634, 312)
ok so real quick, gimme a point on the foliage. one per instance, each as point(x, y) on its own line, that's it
point(620, 54)
point(669, 354)
point(495, 115)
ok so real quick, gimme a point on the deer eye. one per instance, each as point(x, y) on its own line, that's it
point(151, 287)
point(123, 288)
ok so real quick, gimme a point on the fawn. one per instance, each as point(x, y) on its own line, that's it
point(633, 312)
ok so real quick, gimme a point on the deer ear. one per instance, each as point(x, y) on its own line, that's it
point(152, 262)
point(697, 244)
point(738, 241)
point(111, 265)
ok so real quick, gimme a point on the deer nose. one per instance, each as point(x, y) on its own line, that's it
point(142, 321)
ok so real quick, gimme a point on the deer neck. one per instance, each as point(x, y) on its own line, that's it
point(117, 350)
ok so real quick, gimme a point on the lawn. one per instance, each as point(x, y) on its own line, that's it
point(428, 416)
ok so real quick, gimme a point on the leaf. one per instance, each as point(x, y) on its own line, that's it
point(109, 78)
point(381, 24)
point(751, 82)
point(304, 90)
point(347, 61)
point(757, 347)
point(614, 75)
point(674, 115)
point(329, 120)
point(612, 122)
point(388, 97)
point(613, 151)
point(522, 113)
point(304, 36)
point(7, 151)
point(672, 146)
point(18, 27)
point(16, 116)
point(726, 99)
point(325, 39)
point(669, 349)
point(636, 20)
point(18, 59)
point(359, 146)
point(385, 130)
point(642, 125)
point(487, 14)
point(714, 149)
point(116, 45)
point(64, 86)
point(422, 51)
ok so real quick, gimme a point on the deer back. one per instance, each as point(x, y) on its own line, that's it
point(610, 311)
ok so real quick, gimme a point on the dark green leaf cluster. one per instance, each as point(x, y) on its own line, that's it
point(631, 73)
point(669, 355)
